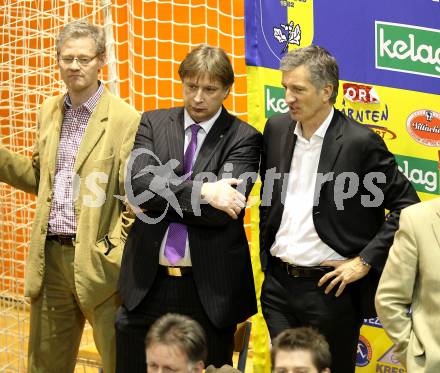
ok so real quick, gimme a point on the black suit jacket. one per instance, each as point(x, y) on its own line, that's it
point(219, 250)
point(350, 229)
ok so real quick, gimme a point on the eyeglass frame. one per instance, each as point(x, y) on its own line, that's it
point(77, 60)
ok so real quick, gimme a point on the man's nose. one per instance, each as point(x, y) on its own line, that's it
point(75, 64)
point(290, 97)
point(199, 95)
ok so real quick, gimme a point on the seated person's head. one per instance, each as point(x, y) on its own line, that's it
point(175, 343)
point(300, 350)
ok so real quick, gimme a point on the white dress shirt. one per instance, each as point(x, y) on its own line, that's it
point(297, 241)
point(201, 135)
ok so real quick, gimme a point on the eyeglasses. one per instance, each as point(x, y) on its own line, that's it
point(82, 61)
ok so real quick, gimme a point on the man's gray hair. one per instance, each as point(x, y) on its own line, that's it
point(82, 29)
point(181, 331)
point(322, 66)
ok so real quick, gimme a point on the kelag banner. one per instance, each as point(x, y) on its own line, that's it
point(389, 58)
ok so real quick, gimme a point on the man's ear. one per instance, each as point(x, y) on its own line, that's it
point(228, 89)
point(327, 92)
point(102, 58)
point(198, 367)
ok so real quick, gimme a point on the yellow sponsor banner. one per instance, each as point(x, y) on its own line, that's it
point(392, 112)
point(258, 78)
point(260, 335)
point(375, 352)
point(394, 117)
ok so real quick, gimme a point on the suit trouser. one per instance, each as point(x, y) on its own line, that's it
point(57, 320)
point(167, 295)
point(289, 302)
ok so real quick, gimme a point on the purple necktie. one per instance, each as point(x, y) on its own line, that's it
point(177, 232)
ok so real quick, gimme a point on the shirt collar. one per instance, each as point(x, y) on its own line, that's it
point(91, 103)
point(322, 129)
point(206, 125)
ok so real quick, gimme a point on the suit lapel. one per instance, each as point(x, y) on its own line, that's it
point(94, 130)
point(331, 145)
point(175, 133)
point(54, 137)
point(212, 141)
point(286, 152)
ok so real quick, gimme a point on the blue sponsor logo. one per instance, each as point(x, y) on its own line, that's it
point(364, 352)
point(373, 322)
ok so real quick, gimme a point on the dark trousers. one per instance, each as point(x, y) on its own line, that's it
point(168, 294)
point(289, 302)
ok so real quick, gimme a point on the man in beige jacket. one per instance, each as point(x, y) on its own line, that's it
point(76, 171)
point(408, 296)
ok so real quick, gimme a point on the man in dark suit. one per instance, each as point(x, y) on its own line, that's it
point(187, 251)
point(324, 252)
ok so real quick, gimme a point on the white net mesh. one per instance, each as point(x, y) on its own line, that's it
point(146, 40)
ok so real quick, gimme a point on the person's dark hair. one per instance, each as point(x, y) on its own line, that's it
point(212, 61)
point(307, 339)
point(181, 331)
point(322, 66)
point(82, 29)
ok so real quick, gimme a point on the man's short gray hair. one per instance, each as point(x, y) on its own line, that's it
point(82, 29)
point(322, 66)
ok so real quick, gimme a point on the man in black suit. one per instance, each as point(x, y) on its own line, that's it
point(191, 171)
point(324, 252)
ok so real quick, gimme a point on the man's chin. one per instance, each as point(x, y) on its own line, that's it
point(198, 116)
point(294, 116)
point(74, 86)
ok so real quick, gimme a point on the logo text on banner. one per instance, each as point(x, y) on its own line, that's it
point(406, 48)
point(422, 173)
point(274, 102)
point(360, 93)
point(424, 127)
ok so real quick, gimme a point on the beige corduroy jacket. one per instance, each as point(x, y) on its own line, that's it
point(102, 224)
point(411, 281)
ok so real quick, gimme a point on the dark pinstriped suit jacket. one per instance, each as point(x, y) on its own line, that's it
point(219, 249)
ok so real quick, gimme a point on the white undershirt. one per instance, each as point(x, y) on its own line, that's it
point(201, 135)
point(297, 241)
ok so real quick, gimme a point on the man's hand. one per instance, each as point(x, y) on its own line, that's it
point(346, 271)
point(131, 209)
point(222, 196)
